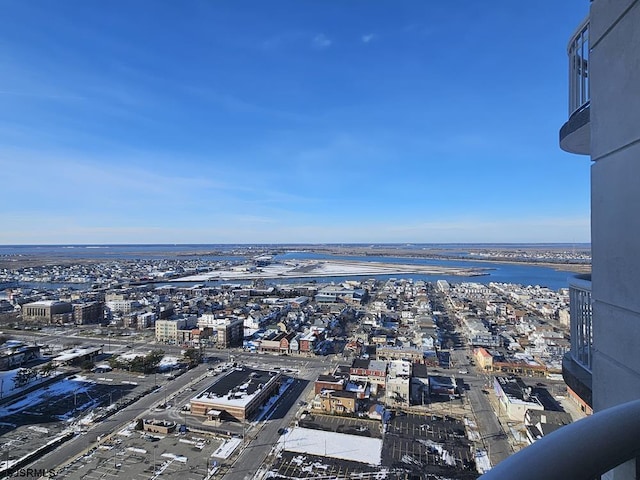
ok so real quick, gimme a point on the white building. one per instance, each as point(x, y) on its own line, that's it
point(514, 398)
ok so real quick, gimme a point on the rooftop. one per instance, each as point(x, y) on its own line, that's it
point(236, 388)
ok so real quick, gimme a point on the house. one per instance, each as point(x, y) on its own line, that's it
point(335, 402)
point(307, 342)
point(542, 422)
point(372, 371)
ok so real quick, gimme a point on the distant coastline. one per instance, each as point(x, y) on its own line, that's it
point(21, 256)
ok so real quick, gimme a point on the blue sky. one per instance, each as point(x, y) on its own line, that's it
point(287, 121)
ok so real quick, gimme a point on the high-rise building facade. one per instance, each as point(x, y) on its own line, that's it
point(576, 364)
point(604, 122)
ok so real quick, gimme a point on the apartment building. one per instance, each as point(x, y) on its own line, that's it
point(604, 123)
point(167, 330)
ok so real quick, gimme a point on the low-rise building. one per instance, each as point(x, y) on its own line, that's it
point(237, 395)
point(307, 342)
point(14, 354)
point(372, 371)
point(539, 423)
point(329, 382)
point(49, 311)
point(484, 359)
point(122, 306)
point(75, 356)
point(514, 397)
point(159, 426)
point(335, 402)
point(398, 384)
point(442, 385)
point(410, 354)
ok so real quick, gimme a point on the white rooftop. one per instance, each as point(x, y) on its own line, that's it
point(331, 444)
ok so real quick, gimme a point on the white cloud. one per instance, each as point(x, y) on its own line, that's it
point(321, 41)
point(368, 37)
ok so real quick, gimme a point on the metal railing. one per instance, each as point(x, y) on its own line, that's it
point(578, 51)
point(585, 449)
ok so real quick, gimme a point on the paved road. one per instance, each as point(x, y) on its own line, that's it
point(494, 437)
point(255, 453)
point(265, 435)
point(112, 424)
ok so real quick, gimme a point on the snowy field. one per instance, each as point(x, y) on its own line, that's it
point(68, 388)
point(331, 444)
point(8, 383)
point(326, 268)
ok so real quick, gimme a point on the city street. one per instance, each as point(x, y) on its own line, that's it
point(82, 442)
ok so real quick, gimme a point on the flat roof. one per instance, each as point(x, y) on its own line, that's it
point(67, 355)
point(45, 303)
point(331, 444)
point(360, 363)
point(237, 388)
point(419, 370)
point(378, 365)
point(330, 379)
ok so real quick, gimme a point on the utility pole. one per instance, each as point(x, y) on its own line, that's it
point(6, 466)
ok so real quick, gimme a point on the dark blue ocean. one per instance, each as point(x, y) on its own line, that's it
point(495, 272)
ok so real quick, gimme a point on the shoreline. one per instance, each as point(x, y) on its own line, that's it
point(330, 268)
point(44, 260)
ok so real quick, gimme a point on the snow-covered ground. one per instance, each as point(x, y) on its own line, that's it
point(483, 464)
point(331, 444)
point(314, 268)
point(65, 387)
point(167, 363)
point(7, 382)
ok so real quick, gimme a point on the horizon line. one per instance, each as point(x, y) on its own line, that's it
point(267, 244)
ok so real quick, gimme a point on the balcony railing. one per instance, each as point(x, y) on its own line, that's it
point(585, 449)
point(578, 50)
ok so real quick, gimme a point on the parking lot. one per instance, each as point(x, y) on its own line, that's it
point(141, 455)
point(428, 443)
point(352, 426)
point(296, 465)
point(75, 399)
